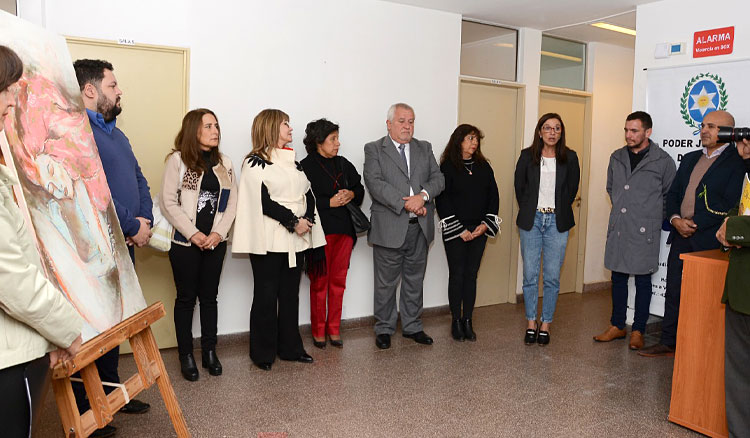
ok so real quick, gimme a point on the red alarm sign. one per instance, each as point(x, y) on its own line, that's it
point(713, 42)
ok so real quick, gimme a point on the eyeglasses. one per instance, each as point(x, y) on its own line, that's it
point(547, 128)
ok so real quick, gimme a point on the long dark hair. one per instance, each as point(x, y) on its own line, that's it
point(186, 141)
point(452, 151)
point(561, 149)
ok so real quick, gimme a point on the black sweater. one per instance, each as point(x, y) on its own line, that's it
point(468, 199)
point(327, 176)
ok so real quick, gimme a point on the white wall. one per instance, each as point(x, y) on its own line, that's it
point(673, 21)
point(344, 60)
point(610, 79)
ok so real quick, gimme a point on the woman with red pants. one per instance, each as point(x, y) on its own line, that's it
point(335, 183)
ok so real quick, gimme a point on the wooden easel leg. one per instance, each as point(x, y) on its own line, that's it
point(66, 403)
point(165, 386)
point(97, 399)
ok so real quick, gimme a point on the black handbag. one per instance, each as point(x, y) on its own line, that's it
point(359, 218)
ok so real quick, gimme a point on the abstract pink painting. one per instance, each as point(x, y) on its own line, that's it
point(64, 190)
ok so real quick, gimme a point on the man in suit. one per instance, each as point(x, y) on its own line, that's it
point(707, 185)
point(403, 178)
point(735, 233)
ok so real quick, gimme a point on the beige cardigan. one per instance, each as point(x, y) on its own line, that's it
point(34, 315)
point(179, 199)
point(287, 184)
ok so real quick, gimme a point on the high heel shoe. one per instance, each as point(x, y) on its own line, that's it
point(469, 334)
point(265, 366)
point(211, 361)
point(457, 330)
point(320, 344)
point(338, 343)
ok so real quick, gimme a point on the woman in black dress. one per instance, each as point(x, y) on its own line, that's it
point(468, 215)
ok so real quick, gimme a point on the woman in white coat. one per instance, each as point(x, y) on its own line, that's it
point(35, 317)
point(277, 224)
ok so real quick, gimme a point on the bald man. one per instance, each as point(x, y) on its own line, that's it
point(707, 186)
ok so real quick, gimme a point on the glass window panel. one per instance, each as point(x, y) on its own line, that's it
point(563, 63)
point(488, 51)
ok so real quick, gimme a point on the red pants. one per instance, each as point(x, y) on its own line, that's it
point(331, 284)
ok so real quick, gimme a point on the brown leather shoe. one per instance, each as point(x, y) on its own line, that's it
point(657, 350)
point(610, 334)
point(636, 340)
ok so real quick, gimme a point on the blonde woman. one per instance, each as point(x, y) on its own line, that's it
point(277, 224)
point(199, 198)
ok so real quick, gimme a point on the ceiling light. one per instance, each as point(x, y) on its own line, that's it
point(561, 56)
point(503, 45)
point(612, 27)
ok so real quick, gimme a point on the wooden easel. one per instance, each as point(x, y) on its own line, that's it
point(136, 329)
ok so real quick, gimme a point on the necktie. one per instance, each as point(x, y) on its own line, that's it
point(402, 148)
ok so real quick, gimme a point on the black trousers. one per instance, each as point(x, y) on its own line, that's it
point(274, 316)
point(464, 259)
point(196, 275)
point(679, 246)
point(106, 365)
point(20, 405)
point(736, 372)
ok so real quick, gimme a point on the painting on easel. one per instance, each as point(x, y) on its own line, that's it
point(64, 192)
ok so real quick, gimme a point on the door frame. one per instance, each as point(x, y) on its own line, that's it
point(511, 231)
point(184, 51)
point(164, 330)
point(585, 165)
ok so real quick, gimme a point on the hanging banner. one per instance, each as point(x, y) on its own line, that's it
point(677, 100)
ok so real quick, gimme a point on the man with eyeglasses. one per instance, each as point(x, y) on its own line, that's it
point(707, 186)
point(638, 179)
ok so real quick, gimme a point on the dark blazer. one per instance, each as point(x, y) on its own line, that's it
point(526, 182)
point(738, 274)
point(388, 181)
point(723, 184)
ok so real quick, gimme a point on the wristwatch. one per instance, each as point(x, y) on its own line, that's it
point(425, 198)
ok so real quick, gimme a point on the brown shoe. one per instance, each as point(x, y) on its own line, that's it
point(610, 334)
point(657, 350)
point(636, 340)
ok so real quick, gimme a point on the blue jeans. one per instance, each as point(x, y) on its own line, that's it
point(620, 300)
point(543, 238)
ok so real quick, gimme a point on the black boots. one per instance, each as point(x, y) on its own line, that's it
point(188, 367)
point(469, 334)
point(462, 329)
point(211, 361)
point(457, 330)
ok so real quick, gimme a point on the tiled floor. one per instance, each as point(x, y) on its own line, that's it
point(496, 387)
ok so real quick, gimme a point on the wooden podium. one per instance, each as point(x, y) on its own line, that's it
point(698, 379)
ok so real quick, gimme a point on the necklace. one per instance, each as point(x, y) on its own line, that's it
point(469, 166)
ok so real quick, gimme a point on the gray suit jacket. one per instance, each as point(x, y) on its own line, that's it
point(387, 181)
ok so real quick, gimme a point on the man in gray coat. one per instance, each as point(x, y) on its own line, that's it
point(638, 179)
point(403, 178)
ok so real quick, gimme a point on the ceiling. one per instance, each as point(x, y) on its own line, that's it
point(563, 18)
